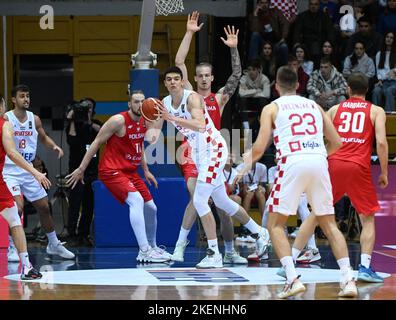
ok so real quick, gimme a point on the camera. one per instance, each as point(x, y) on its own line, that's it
point(80, 111)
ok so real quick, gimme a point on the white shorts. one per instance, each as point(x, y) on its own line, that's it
point(298, 174)
point(26, 184)
point(210, 165)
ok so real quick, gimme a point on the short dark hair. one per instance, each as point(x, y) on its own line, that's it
point(254, 63)
point(204, 64)
point(358, 83)
point(291, 58)
point(173, 69)
point(325, 60)
point(19, 88)
point(286, 78)
point(365, 19)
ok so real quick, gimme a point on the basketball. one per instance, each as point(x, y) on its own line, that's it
point(148, 109)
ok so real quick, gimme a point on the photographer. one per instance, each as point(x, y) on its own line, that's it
point(81, 132)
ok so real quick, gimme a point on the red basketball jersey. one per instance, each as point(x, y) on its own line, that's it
point(213, 109)
point(353, 124)
point(125, 153)
point(6, 199)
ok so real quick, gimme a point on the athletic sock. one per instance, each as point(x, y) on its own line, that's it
point(287, 263)
point(212, 244)
point(365, 260)
point(228, 246)
point(52, 238)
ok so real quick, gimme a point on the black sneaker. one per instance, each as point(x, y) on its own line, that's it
point(29, 273)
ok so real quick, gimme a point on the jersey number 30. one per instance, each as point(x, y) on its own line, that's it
point(352, 122)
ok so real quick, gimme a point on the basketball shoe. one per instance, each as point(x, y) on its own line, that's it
point(348, 289)
point(262, 240)
point(178, 253)
point(309, 256)
point(162, 251)
point(368, 275)
point(212, 260)
point(59, 250)
point(291, 289)
point(151, 255)
point(234, 257)
point(29, 273)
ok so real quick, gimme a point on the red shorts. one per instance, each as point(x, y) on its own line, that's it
point(354, 180)
point(188, 167)
point(119, 183)
point(6, 199)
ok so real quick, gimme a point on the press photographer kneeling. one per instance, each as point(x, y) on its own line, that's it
point(81, 131)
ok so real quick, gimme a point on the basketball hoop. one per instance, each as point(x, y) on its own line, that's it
point(166, 7)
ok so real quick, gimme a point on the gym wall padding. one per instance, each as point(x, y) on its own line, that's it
point(111, 222)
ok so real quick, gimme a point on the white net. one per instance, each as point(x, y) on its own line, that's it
point(166, 7)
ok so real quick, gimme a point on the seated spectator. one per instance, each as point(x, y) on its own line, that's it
point(230, 173)
point(328, 52)
point(386, 74)
point(269, 24)
point(327, 86)
point(253, 186)
point(359, 61)
point(372, 40)
point(302, 77)
point(254, 90)
point(312, 28)
point(300, 52)
point(268, 62)
point(387, 20)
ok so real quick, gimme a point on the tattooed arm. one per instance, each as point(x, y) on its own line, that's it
point(225, 93)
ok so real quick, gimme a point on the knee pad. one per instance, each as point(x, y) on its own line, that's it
point(12, 217)
point(201, 205)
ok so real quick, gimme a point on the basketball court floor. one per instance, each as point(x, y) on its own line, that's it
point(112, 273)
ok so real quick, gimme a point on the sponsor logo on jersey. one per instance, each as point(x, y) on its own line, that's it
point(355, 140)
point(211, 99)
point(129, 127)
point(183, 107)
point(310, 145)
point(30, 125)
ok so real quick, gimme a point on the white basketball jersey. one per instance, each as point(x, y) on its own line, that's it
point(298, 127)
point(199, 141)
point(25, 138)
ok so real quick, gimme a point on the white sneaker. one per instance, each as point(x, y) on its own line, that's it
point(248, 239)
point(178, 253)
point(292, 289)
point(262, 242)
point(60, 250)
point(255, 258)
point(348, 289)
point(12, 254)
point(151, 255)
point(212, 260)
point(234, 257)
point(162, 251)
point(309, 256)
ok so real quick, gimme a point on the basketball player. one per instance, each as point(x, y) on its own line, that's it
point(358, 122)
point(186, 110)
point(27, 130)
point(299, 125)
point(123, 135)
point(8, 207)
point(215, 103)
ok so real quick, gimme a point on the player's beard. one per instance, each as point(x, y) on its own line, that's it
point(136, 113)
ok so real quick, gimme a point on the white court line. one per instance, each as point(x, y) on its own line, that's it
point(390, 246)
point(136, 277)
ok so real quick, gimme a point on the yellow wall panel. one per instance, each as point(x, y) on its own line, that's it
point(105, 77)
point(97, 35)
point(9, 28)
point(29, 38)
